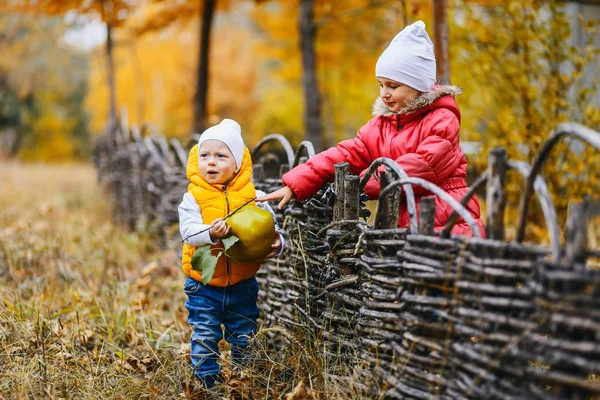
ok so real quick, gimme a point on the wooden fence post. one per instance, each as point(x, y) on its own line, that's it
point(283, 169)
point(496, 198)
point(351, 197)
point(388, 207)
point(339, 183)
point(258, 173)
point(427, 215)
point(577, 232)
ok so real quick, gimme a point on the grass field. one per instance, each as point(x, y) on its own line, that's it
point(90, 310)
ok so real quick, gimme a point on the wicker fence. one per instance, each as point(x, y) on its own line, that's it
point(421, 314)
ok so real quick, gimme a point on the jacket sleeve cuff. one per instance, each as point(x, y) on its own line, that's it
point(303, 182)
point(201, 239)
point(281, 238)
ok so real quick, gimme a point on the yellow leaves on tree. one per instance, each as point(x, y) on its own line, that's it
point(151, 76)
point(350, 37)
point(44, 80)
point(50, 140)
point(51, 137)
point(523, 75)
point(156, 75)
point(110, 11)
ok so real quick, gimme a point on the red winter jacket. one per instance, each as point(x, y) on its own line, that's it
point(423, 138)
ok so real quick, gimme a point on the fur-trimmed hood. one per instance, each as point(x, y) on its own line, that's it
point(423, 100)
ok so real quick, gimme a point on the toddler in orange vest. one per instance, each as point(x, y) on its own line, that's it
point(219, 169)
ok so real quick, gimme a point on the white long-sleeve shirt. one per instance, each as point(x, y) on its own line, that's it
point(190, 221)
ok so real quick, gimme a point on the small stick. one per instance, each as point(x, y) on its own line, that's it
point(224, 219)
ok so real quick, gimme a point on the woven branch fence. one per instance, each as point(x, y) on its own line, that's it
point(419, 314)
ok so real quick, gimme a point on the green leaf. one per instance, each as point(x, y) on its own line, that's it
point(197, 256)
point(229, 241)
point(204, 261)
point(209, 263)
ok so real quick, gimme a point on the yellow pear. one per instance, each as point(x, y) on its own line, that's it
point(255, 230)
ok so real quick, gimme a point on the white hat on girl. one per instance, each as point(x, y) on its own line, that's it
point(409, 59)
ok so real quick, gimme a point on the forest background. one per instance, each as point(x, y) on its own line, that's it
point(92, 310)
point(524, 66)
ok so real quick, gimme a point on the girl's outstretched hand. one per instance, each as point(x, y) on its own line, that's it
point(284, 194)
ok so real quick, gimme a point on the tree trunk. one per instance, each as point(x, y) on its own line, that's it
point(201, 95)
point(312, 95)
point(404, 13)
point(15, 135)
point(110, 69)
point(440, 40)
point(140, 98)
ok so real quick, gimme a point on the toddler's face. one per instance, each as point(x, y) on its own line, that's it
point(215, 162)
point(395, 94)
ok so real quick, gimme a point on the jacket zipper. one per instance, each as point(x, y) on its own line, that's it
point(399, 126)
point(226, 212)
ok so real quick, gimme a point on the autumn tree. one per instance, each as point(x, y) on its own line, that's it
point(112, 13)
point(168, 13)
point(338, 86)
point(41, 108)
point(156, 70)
point(522, 75)
point(312, 93)
point(200, 98)
point(313, 17)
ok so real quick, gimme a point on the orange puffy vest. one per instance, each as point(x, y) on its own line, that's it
point(216, 202)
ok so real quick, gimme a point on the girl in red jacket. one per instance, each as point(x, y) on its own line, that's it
point(416, 123)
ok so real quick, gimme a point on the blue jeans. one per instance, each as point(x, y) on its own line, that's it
point(210, 306)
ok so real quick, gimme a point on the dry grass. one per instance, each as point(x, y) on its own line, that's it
point(90, 310)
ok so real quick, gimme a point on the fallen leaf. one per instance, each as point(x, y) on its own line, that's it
point(300, 392)
point(149, 268)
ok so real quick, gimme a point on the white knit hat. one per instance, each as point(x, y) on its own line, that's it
point(230, 133)
point(409, 59)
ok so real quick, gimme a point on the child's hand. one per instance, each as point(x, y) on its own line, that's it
point(276, 246)
point(219, 229)
point(284, 194)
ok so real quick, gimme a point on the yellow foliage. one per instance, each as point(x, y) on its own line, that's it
point(156, 76)
point(112, 11)
point(254, 78)
point(149, 75)
point(50, 140)
point(280, 113)
point(522, 77)
point(41, 85)
point(350, 37)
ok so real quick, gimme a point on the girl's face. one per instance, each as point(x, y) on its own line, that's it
point(395, 94)
point(215, 162)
